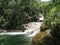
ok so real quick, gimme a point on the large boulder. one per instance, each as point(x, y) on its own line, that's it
point(44, 38)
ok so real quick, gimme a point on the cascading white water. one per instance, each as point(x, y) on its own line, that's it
point(33, 28)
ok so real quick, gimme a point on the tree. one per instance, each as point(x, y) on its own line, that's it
point(15, 13)
point(51, 13)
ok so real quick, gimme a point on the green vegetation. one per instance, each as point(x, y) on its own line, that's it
point(52, 21)
point(52, 17)
point(52, 14)
point(15, 13)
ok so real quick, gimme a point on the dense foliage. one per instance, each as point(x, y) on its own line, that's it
point(51, 13)
point(14, 13)
point(52, 17)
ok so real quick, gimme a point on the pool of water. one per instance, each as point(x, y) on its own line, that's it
point(14, 40)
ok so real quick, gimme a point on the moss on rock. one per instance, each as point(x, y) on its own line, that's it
point(43, 38)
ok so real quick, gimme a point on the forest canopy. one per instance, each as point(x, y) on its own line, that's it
point(14, 13)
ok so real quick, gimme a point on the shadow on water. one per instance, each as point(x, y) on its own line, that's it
point(14, 40)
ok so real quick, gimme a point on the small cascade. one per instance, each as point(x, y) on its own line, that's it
point(32, 29)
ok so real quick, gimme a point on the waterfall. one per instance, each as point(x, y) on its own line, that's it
point(32, 29)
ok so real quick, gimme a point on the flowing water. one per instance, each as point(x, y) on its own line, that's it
point(20, 38)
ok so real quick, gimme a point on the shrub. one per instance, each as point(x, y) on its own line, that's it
point(52, 16)
point(43, 27)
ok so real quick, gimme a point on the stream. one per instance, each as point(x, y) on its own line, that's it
point(32, 29)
